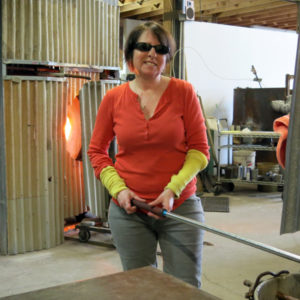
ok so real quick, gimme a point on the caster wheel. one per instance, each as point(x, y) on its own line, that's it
point(84, 235)
point(218, 190)
point(228, 186)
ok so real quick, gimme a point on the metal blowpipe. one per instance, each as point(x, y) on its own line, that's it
point(164, 213)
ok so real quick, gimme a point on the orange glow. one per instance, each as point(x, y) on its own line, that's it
point(67, 129)
point(73, 129)
point(69, 228)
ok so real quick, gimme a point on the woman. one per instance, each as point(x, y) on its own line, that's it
point(162, 145)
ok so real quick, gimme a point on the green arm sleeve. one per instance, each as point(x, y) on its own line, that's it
point(112, 181)
point(195, 161)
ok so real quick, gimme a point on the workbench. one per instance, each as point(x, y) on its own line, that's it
point(140, 284)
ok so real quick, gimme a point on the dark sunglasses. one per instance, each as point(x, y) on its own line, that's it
point(146, 47)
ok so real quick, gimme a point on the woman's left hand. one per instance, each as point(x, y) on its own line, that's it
point(165, 200)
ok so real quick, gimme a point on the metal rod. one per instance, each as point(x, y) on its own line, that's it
point(164, 213)
point(235, 237)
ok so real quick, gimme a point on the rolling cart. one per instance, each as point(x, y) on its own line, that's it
point(86, 227)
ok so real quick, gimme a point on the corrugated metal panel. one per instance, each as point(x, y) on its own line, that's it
point(34, 141)
point(290, 221)
point(75, 200)
point(44, 184)
point(63, 31)
point(3, 198)
point(90, 98)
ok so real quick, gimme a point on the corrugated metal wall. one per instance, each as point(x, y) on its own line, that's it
point(74, 200)
point(90, 98)
point(34, 115)
point(44, 184)
point(3, 198)
point(62, 31)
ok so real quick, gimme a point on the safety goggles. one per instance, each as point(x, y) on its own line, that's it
point(146, 47)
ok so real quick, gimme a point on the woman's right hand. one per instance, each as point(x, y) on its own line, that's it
point(124, 198)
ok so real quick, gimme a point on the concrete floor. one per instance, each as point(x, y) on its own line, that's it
point(226, 263)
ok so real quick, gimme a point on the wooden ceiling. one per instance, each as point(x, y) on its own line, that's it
point(269, 13)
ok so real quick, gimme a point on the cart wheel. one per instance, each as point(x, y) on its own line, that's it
point(228, 186)
point(84, 235)
point(218, 190)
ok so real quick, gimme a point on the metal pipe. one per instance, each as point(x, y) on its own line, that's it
point(234, 237)
point(164, 213)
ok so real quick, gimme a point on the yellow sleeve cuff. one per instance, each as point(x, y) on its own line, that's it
point(112, 181)
point(195, 161)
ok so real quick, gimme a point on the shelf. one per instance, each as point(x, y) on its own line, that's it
point(269, 146)
point(261, 134)
point(260, 182)
point(250, 147)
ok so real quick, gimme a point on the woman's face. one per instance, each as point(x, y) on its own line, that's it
point(148, 64)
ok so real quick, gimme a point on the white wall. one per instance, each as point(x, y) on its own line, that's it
point(219, 59)
point(128, 26)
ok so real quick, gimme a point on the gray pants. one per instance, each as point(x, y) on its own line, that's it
point(136, 237)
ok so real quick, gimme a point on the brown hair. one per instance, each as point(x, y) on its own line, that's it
point(163, 36)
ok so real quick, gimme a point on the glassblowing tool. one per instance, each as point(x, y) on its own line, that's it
point(164, 213)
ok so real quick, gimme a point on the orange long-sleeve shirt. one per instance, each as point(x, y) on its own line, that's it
point(149, 151)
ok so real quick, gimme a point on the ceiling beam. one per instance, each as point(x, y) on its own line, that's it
point(232, 12)
point(221, 6)
point(265, 15)
point(243, 9)
point(153, 15)
point(278, 17)
point(128, 9)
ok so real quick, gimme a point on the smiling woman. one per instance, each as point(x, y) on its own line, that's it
point(162, 145)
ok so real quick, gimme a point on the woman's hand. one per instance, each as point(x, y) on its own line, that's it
point(124, 198)
point(165, 200)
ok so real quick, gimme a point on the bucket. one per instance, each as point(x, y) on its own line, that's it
point(288, 285)
point(245, 158)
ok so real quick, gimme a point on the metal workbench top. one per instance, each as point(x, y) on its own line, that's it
point(140, 284)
